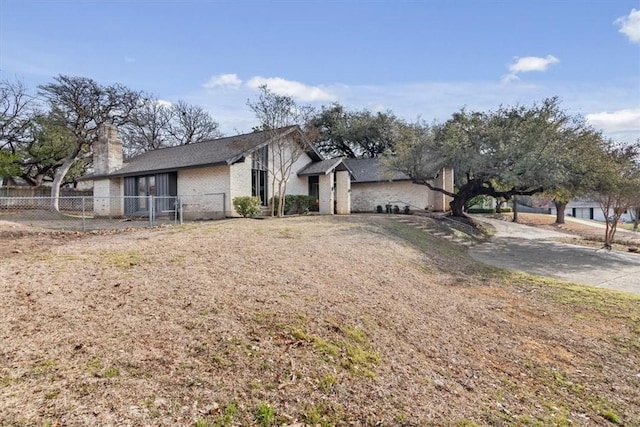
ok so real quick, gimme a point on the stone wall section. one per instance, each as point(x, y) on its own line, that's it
point(365, 197)
point(107, 157)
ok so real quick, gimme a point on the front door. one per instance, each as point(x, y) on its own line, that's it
point(146, 186)
point(314, 189)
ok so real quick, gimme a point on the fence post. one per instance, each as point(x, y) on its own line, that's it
point(224, 205)
point(181, 211)
point(150, 207)
point(84, 225)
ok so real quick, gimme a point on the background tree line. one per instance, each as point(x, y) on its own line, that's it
point(47, 136)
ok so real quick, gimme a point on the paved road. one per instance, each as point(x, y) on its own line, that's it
point(530, 249)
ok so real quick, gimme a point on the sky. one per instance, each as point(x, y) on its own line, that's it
point(420, 59)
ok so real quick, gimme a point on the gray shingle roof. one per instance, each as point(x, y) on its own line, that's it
point(372, 170)
point(207, 153)
point(322, 167)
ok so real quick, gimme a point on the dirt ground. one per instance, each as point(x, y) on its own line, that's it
point(358, 320)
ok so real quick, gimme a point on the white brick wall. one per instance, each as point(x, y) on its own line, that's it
point(299, 184)
point(326, 194)
point(107, 197)
point(296, 184)
point(343, 193)
point(203, 181)
point(240, 181)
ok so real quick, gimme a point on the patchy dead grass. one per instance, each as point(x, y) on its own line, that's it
point(324, 321)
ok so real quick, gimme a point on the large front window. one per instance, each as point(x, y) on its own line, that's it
point(137, 189)
point(259, 174)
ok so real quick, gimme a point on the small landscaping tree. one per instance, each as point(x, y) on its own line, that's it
point(617, 186)
point(276, 112)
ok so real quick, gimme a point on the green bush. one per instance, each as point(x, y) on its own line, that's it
point(481, 210)
point(506, 210)
point(296, 203)
point(247, 206)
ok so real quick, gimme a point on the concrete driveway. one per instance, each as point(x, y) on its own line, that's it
point(530, 249)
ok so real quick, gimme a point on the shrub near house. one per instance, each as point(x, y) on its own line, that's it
point(246, 206)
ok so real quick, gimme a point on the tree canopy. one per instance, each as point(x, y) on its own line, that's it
point(503, 153)
point(354, 134)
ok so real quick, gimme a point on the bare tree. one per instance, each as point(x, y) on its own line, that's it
point(148, 129)
point(618, 185)
point(157, 125)
point(191, 124)
point(276, 114)
point(82, 106)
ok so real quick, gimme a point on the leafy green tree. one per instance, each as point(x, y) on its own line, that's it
point(504, 153)
point(43, 151)
point(342, 133)
point(82, 106)
point(17, 107)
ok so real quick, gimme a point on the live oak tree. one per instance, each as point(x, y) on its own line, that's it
point(43, 150)
point(503, 153)
point(354, 134)
point(275, 113)
point(17, 107)
point(82, 106)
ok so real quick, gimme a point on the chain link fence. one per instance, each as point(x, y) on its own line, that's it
point(85, 213)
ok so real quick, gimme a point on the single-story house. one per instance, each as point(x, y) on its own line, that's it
point(207, 176)
point(590, 209)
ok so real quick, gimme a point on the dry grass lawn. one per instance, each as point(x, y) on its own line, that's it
point(324, 321)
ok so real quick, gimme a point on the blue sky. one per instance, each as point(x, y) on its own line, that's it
point(422, 59)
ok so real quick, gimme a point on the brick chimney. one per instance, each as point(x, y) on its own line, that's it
point(107, 151)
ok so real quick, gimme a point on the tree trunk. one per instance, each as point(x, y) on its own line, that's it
point(58, 177)
point(282, 188)
point(457, 206)
point(560, 210)
point(498, 206)
point(273, 193)
point(636, 219)
point(515, 209)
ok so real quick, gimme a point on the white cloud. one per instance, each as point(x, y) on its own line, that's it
point(223, 81)
point(532, 63)
point(292, 88)
point(627, 120)
point(528, 64)
point(163, 103)
point(630, 25)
